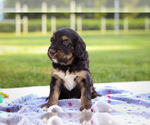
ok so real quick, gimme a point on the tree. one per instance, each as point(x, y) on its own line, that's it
point(131, 5)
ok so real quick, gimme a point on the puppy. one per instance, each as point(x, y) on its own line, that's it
point(71, 76)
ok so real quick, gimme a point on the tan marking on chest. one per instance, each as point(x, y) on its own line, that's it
point(68, 77)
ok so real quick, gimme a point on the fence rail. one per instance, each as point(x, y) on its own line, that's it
point(76, 22)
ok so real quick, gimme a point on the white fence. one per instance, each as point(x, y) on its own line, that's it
point(73, 10)
point(44, 18)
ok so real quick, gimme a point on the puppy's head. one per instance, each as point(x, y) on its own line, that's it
point(66, 45)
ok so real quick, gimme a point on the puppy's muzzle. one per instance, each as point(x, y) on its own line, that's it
point(52, 52)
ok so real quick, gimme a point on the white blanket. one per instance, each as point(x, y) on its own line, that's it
point(122, 103)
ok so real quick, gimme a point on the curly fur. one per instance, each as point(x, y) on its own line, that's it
point(71, 76)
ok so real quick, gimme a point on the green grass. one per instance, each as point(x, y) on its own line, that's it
point(24, 61)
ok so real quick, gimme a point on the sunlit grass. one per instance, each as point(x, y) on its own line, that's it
point(43, 49)
point(106, 48)
point(24, 60)
point(23, 49)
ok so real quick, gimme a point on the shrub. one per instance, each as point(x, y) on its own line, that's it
point(87, 24)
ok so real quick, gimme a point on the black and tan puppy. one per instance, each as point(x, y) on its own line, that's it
point(71, 76)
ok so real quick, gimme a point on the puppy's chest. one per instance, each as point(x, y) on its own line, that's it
point(67, 77)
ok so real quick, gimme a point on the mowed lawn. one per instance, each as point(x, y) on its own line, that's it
point(126, 57)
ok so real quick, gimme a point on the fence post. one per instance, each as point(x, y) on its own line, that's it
point(79, 18)
point(125, 21)
point(44, 18)
point(53, 19)
point(147, 18)
point(18, 19)
point(25, 19)
point(103, 20)
point(116, 16)
point(72, 14)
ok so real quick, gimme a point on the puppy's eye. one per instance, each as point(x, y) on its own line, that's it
point(51, 39)
point(66, 42)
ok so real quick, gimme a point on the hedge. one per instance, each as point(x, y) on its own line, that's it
point(87, 24)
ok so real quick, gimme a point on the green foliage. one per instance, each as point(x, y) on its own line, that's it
point(7, 27)
point(34, 25)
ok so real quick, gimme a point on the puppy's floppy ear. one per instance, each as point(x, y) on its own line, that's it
point(80, 48)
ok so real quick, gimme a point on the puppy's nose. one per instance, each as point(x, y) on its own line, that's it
point(52, 52)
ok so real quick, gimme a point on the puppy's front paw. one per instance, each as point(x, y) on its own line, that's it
point(86, 110)
point(45, 106)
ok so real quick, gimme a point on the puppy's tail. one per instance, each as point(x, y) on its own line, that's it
point(95, 94)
